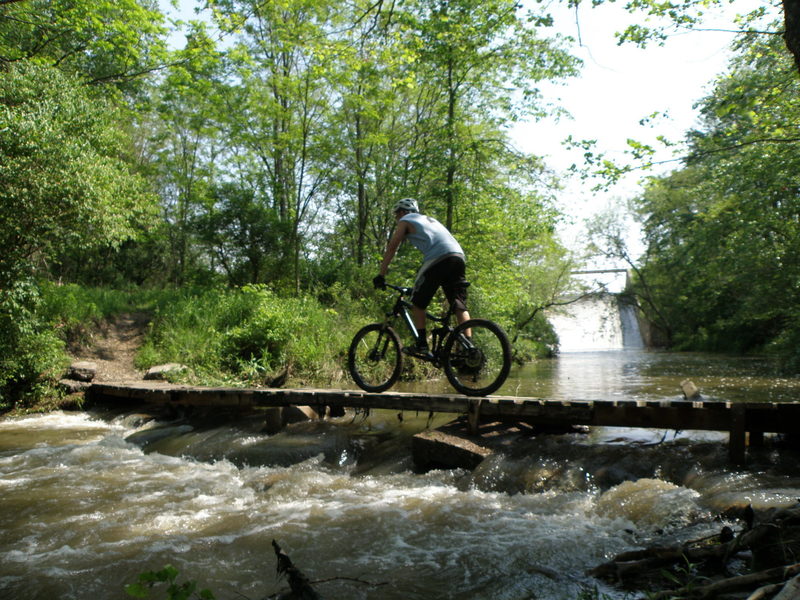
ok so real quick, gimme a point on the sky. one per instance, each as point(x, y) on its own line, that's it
point(619, 86)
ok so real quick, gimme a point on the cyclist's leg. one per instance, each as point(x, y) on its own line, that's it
point(425, 286)
point(454, 285)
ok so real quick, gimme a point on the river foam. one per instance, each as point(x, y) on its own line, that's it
point(84, 510)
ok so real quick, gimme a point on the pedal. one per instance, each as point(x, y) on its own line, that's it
point(418, 353)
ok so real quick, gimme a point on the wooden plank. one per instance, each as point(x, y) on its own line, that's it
point(776, 418)
point(659, 414)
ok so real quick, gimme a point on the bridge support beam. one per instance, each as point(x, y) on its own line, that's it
point(474, 415)
point(737, 441)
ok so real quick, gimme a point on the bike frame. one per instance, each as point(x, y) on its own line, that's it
point(402, 309)
point(474, 367)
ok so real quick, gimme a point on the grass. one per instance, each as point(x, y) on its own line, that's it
point(250, 335)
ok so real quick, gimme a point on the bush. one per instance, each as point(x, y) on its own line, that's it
point(249, 334)
point(32, 355)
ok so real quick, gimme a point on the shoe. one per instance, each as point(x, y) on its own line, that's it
point(418, 350)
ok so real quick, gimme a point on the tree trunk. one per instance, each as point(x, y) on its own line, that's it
point(451, 150)
point(791, 15)
point(361, 211)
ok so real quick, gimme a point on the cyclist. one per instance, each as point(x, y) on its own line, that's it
point(443, 266)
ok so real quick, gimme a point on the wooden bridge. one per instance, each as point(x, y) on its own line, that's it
point(743, 421)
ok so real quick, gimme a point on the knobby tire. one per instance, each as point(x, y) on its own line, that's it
point(374, 358)
point(478, 367)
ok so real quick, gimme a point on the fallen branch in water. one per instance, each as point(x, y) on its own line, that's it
point(300, 586)
point(298, 583)
point(638, 561)
point(700, 568)
point(742, 583)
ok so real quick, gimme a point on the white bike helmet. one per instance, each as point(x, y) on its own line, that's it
point(408, 204)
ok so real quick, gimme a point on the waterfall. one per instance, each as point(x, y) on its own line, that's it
point(629, 322)
point(598, 322)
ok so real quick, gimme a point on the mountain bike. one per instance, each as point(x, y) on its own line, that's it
point(475, 355)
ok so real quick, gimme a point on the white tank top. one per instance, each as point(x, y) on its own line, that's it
point(431, 238)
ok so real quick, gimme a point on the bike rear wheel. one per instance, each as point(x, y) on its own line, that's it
point(374, 358)
point(477, 365)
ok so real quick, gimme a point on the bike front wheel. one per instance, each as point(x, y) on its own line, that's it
point(477, 357)
point(374, 358)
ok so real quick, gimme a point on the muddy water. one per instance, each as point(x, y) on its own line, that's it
point(89, 501)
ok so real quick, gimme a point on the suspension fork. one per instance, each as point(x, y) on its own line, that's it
point(382, 343)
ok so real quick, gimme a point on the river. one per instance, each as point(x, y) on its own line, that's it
point(90, 500)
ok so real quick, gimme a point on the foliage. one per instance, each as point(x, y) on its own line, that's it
point(249, 334)
point(31, 354)
point(241, 234)
point(270, 158)
point(722, 233)
point(655, 21)
point(100, 41)
point(689, 14)
point(174, 591)
point(285, 150)
point(545, 281)
point(41, 320)
point(63, 181)
point(74, 311)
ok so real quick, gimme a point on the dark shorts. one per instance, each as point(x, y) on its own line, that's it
point(448, 274)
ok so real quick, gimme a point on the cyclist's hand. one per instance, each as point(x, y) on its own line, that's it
point(379, 281)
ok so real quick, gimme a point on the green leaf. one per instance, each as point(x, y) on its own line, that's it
point(137, 590)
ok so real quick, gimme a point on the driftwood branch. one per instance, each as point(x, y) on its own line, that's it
point(298, 583)
point(765, 592)
point(771, 544)
point(301, 588)
point(790, 591)
point(734, 584)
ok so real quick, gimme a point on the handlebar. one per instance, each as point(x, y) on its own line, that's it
point(403, 290)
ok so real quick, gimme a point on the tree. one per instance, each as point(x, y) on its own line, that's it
point(723, 232)
point(690, 14)
point(64, 184)
point(186, 144)
point(63, 180)
point(278, 109)
point(241, 233)
point(481, 62)
point(105, 41)
point(374, 102)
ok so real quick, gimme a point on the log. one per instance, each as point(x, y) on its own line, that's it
point(733, 584)
point(772, 540)
point(638, 561)
point(765, 592)
point(791, 591)
point(298, 582)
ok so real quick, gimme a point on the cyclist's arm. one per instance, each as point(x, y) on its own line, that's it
point(400, 233)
